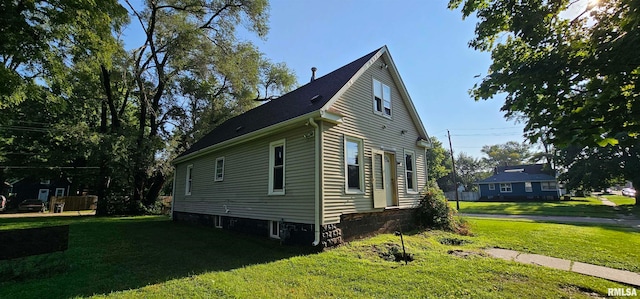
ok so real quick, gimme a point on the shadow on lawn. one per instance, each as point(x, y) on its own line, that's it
point(113, 254)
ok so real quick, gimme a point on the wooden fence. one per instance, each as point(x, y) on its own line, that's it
point(462, 196)
point(74, 203)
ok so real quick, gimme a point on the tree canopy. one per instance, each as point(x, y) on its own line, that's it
point(573, 79)
point(509, 153)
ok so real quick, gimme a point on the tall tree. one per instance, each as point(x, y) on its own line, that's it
point(438, 160)
point(471, 170)
point(574, 81)
point(509, 153)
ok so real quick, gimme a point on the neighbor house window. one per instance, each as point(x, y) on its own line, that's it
point(410, 171)
point(59, 192)
point(353, 154)
point(274, 229)
point(276, 167)
point(188, 185)
point(219, 173)
point(548, 186)
point(381, 98)
point(505, 187)
point(528, 187)
point(492, 186)
point(45, 182)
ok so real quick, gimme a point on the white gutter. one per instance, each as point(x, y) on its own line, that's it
point(318, 149)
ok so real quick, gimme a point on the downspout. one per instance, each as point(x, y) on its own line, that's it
point(318, 149)
point(173, 190)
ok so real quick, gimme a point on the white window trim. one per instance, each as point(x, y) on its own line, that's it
point(271, 224)
point(542, 187)
point(45, 182)
point(530, 189)
point(415, 177)
point(217, 221)
point(360, 143)
point(272, 162)
point(58, 189)
point(188, 186)
point(510, 188)
point(492, 186)
point(215, 171)
point(375, 111)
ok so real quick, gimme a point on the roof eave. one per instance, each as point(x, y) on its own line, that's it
point(249, 136)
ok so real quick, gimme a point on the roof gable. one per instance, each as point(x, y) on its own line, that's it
point(293, 104)
point(315, 96)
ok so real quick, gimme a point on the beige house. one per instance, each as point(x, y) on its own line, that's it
point(337, 158)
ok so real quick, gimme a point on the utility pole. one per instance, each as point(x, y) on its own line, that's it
point(453, 164)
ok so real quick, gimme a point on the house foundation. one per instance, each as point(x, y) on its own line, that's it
point(351, 227)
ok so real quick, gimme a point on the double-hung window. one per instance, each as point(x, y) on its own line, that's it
point(410, 166)
point(548, 186)
point(381, 98)
point(189, 182)
point(492, 186)
point(505, 187)
point(219, 171)
point(353, 153)
point(276, 167)
point(528, 187)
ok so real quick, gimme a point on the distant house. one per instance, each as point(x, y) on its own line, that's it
point(338, 158)
point(520, 182)
point(35, 188)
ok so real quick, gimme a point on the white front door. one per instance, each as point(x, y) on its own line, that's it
point(43, 194)
point(378, 179)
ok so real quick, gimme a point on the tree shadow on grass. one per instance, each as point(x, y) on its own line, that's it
point(114, 254)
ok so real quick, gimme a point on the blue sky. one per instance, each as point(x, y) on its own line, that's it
point(428, 43)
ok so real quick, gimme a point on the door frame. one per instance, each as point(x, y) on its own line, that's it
point(379, 195)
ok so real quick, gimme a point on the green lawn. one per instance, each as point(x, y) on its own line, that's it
point(577, 206)
point(152, 257)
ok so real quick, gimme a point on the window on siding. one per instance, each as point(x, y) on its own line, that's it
point(274, 229)
point(59, 192)
point(381, 98)
point(45, 182)
point(505, 187)
point(219, 173)
point(410, 166)
point(528, 187)
point(188, 185)
point(548, 186)
point(353, 153)
point(217, 221)
point(492, 186)
point(276, 166)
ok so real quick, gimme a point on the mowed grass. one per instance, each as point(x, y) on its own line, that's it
point(577, 206)
point(152, 257)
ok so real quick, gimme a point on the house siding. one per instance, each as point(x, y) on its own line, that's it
point(376, 131)
point(518, 191)
point(244, 191)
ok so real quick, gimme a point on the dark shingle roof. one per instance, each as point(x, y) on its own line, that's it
point(288, 106)
point(514, 177)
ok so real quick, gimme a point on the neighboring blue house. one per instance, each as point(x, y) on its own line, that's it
point(520, 182)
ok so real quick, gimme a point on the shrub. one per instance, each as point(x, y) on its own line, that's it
point(434, 212)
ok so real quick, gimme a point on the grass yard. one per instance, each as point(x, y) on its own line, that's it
point(577, 206)
point(152, 257)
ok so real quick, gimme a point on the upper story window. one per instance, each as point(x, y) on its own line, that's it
point(410, 170)
point(276, 167)
point(188, 183)
point(353, 153)
point(381, 98)
point(219, 172)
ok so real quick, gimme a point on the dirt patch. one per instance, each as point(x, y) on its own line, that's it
point(453, 241)
point(392, 252)
point(574, 289)
point(462, 253)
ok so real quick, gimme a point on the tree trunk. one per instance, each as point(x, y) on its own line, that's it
point(157, 182)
